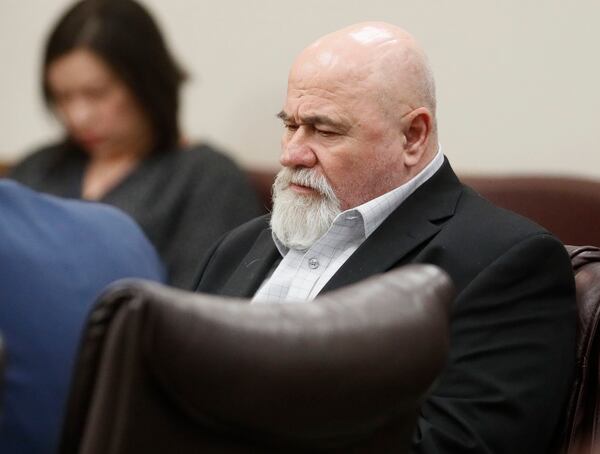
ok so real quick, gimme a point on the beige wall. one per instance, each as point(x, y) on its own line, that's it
point(517, 79)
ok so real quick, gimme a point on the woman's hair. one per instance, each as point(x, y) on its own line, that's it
point(126, 37)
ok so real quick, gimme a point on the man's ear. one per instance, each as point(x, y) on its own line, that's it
point(416, 127)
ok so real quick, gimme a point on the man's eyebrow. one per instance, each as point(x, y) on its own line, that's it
point(321, 120)
point(312, 120)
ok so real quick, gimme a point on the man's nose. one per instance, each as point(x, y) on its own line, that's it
point(297, 151)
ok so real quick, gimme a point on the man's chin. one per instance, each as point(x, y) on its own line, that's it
point(300, 220)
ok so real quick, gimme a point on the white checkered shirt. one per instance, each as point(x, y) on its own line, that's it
point(302, 274)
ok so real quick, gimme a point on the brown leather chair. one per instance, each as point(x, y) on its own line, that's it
point(583, 425)
point(162, 370)
point(567, 207)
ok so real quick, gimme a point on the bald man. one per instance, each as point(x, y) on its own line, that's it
point(365, 188)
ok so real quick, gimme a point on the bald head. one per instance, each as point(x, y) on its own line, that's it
point(379, 58)
point(360, 111)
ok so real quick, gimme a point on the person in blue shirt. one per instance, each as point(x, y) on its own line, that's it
point(56, 257)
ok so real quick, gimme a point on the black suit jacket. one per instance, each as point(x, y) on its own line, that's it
point(513, 322)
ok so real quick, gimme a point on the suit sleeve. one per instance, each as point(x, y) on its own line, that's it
point(512, 357)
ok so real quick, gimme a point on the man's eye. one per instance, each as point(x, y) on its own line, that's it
point(324, 133)
point(290, 127)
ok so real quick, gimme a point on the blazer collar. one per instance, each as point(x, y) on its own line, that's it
point(415, 221)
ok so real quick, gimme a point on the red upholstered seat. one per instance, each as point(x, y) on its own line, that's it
point(568, 207)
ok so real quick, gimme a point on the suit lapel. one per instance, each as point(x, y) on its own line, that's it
point(256, 265)
point(416, 220)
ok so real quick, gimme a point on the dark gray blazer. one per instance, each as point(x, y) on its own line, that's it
point(513, 324)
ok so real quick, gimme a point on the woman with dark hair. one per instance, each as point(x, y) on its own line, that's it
point(114, 86)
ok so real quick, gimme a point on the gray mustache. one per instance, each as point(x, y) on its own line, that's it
point(308, 178)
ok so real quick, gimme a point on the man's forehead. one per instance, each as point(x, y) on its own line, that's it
point(326, 84)
point(340, 100)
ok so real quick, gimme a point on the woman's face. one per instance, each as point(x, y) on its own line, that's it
point(98, 110)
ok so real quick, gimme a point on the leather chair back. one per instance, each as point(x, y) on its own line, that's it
point(566, 206)
point(162, 370)
point(583, 425)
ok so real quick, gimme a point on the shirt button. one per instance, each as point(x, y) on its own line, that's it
point(313, 264)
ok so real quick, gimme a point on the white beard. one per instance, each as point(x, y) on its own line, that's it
point(299, 220)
